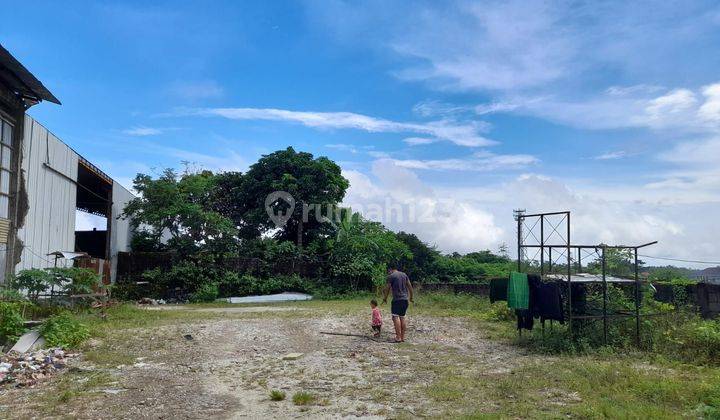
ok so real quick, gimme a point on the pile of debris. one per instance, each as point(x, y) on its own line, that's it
point(26, 369)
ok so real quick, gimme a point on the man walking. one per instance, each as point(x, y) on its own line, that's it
point(402, 291)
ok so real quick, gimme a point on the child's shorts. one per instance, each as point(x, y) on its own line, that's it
point(377, 328)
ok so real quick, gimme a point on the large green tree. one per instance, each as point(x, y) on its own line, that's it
point(179, 207)
point(307, 179)
point(361, 252)
point(422, 262)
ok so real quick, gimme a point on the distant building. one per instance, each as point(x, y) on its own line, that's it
point(43, 182)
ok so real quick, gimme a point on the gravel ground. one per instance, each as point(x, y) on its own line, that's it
point(229, 367)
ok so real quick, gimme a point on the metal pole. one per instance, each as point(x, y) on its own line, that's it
point(579, 264)
point(570, 318)
point(519, 241)
point(605, 326)
point(542, 245)
point(550, 260)
point(637, 301)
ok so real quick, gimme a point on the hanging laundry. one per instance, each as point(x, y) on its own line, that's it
point(524, 319)
point(518, 293)
point(498, 289)
point(548, 303)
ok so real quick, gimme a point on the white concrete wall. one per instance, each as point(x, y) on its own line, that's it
point(50, 222)
point(120, 232)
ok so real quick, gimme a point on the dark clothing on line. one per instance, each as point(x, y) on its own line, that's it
point(549, 303)
point(498, 290)
point(524, 319)
point(544, 302)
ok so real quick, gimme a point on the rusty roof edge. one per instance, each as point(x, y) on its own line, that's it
point(26, 77)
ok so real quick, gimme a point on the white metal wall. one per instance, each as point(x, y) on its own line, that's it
point(50, 222)
point(120, 232)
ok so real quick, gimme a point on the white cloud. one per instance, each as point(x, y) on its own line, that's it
point(710, 110)
point(406, 203)
point(619, 154)
point(472, 218)
point(473, 46)
point(196, 90)
point(223, 160)
point(521, 45)
point(416, 141)
point(343, 147)
point(479, 162)
point(143, 131)
point(461, 133)
point(627, 107)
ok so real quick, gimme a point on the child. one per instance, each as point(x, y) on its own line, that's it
point(376, 318)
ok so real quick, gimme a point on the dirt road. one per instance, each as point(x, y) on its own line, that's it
point(229, 366)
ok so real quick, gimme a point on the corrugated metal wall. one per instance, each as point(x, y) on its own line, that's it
point(120, 230)
point(50, 222)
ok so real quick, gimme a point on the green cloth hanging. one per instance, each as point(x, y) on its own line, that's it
point(518, 292)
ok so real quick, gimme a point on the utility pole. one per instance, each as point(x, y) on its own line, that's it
point(518, 216)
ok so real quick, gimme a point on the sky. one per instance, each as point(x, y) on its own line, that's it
point(446, 115)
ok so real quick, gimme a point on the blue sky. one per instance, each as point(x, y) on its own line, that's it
point(465, 109)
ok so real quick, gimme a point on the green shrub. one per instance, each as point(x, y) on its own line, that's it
point(10, 295)
point(33, 282)
point(75, 280)
point(499, 311)
point(185, 276)
point(207, 292)
point(63, 330)
point(303, 398)
point(11, 321)
point(131, 291)
point(276, 395)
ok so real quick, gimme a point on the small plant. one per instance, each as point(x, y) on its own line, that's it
point(11, 321)
point(11, 295)
point(63, 330)
point(276, 395)
point(499, 311)
point(75, 280)
point(33, 282)
point(303, 398)
point(208, 292)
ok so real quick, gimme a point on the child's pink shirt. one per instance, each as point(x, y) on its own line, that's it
point(376, 316)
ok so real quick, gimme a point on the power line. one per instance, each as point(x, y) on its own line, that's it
point(680, 260)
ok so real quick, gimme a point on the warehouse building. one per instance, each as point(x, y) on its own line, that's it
point(44, 182)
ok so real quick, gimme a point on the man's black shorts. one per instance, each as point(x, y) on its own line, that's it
point(398, 307)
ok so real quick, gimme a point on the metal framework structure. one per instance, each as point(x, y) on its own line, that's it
point(546, 236)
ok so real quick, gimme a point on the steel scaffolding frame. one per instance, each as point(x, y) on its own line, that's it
point(559, 231)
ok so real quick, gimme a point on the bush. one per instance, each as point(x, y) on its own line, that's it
point(692, 340)
point(182, 278)
point(499, 311)
point(11, 321)
point(208, 292)
point(276, 395)
point(33, 282)
point(63, 330)
point(10, 295)
point(74, 280)
point(303, 398)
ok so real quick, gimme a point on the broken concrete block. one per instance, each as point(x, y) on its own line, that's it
point(26, 342)
point(293, 356)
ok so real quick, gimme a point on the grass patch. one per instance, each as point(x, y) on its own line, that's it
point(303, 398)
point(277, 395)
point(584, 387)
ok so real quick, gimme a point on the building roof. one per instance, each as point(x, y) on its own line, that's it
point(19, 79)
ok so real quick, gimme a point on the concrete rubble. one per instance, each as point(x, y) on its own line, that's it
point(27, 369)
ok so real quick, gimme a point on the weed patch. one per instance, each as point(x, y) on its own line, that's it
point(303, 398)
